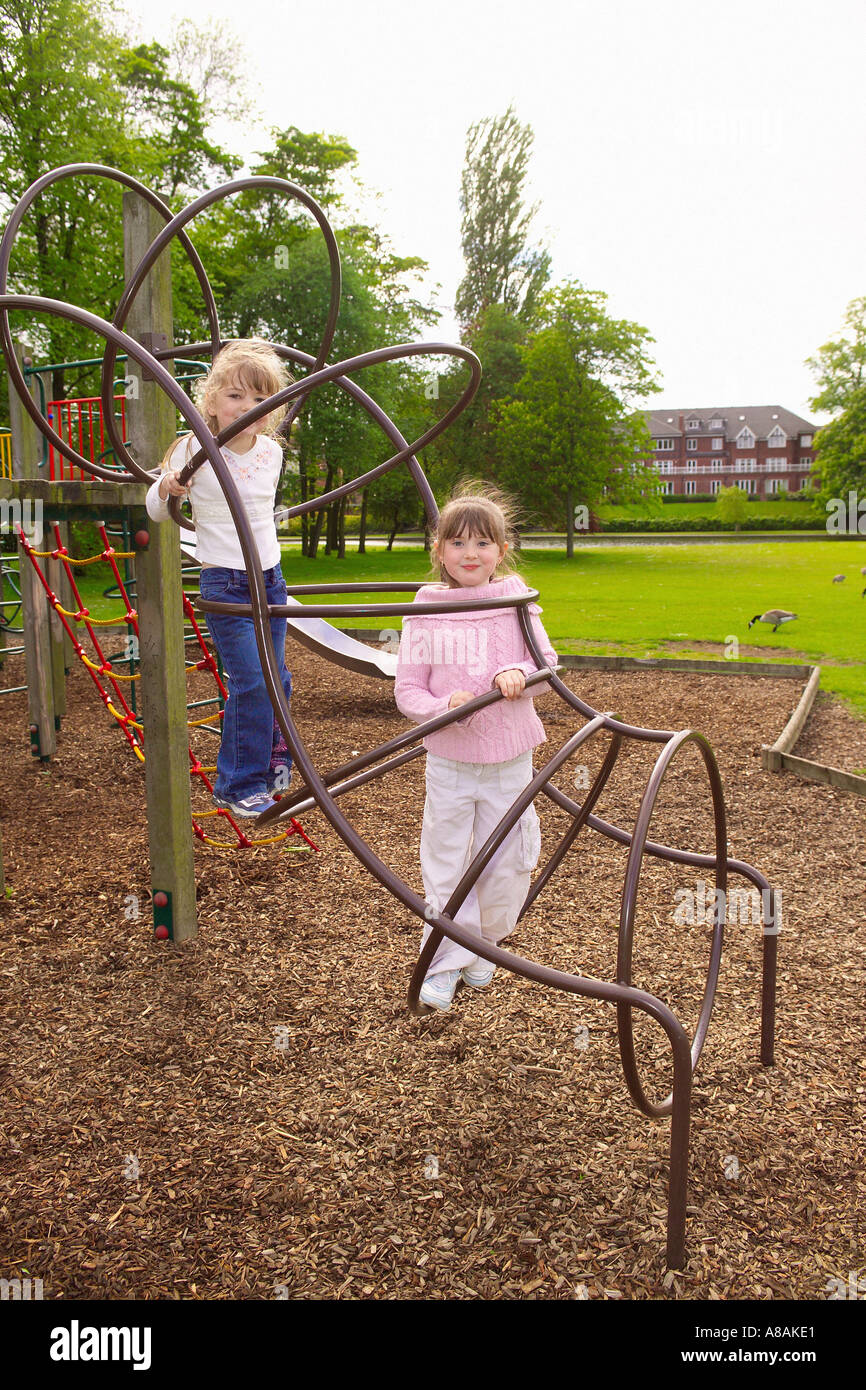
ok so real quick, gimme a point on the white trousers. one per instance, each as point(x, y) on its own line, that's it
point(465, 802)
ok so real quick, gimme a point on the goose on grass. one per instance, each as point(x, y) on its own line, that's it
point(776, 616)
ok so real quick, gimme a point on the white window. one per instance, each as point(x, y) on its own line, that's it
point(717, 465)
point(805, 441)
point(719, 443)
point(661, 444)
point(773, 484)
point(691, 485)
point(716, 424)
point(691, 443)
point(667, 488)
point(715, 484)
point(805, 462)
point(743, 465)
point(694, 424)
point(745, 439)
point(777, 438)
point(665, 465)
point(746, 484)
point(691, 464)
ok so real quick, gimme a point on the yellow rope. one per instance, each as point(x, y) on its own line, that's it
point(93, 560)
point(124, 719)
point(109, 671)
point(94, 622)
point(196, 723)
point(289, 849)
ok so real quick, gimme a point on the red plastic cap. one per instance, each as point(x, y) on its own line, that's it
point(160, 900)
point(161, 933)
point(142, 538)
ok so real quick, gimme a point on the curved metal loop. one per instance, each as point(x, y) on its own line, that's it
point(629, 900)
point(175, 227)
point(136, 473)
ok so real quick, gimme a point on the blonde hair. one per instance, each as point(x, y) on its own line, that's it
point(254, 364)
point(480, 508)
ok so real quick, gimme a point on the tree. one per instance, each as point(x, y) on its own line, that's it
point(570, 434)
point(470, 446)
point(501, 268)
point(65, 68)
point(840, 367)
point(732, 505)
point(278, 286)
point(841, 450)
point(171, 125)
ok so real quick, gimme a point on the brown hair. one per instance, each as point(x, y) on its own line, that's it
point(253, 363)
point(480, 508)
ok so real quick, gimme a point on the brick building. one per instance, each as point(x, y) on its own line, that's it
point(762, 449)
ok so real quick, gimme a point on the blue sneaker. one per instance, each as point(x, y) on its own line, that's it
point(248, 807)
point(479, 974)
point(438, 990)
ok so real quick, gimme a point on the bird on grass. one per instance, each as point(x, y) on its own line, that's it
point(776, 616)
point(838, 578)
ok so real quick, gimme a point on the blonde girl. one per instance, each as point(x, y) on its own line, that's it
point(477, 766)
point(253, 761)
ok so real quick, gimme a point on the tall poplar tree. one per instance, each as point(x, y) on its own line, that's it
point(501, 266)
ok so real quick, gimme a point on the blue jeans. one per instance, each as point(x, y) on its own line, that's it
point(249, 730)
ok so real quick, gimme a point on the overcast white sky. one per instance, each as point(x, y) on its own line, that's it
point(700, 163)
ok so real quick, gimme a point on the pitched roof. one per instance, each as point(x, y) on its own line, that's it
point(761, 420)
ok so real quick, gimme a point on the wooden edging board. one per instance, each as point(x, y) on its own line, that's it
point(777, 758)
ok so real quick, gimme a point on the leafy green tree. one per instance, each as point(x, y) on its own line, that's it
point(841, 450)
point(72, 90)
point(58, 65)
point(571, 435)
point(840, 367)
point(170, 122)
point(501, 267)
point(732, 505)
point(470, 446)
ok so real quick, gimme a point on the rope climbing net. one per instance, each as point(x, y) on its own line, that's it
point(103, 669)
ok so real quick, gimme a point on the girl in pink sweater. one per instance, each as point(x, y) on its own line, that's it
point(477, 766)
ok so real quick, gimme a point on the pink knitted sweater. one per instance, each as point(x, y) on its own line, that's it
point(444, 652)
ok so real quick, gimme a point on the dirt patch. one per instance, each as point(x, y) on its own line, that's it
point(256, 1113)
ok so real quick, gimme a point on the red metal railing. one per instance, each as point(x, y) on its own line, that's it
point(79, 421)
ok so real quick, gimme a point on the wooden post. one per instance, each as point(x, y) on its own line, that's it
point(151, 427)
point(3, 642)
point(26, 452)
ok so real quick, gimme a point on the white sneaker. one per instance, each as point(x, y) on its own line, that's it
point(248, 807)
point(479, 973)
point(438, 990)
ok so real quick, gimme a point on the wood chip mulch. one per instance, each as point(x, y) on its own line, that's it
point(833, 736)
point(256, 1115)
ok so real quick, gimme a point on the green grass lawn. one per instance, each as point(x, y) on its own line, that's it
point(660, 600)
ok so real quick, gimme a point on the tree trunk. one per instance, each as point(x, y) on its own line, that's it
point(362, 530)
point(320, 516)
point(305, 516)
point(394, 530)
point(569, 524)
point(341, 528)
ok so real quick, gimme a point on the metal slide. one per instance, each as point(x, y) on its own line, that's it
point(322, 637)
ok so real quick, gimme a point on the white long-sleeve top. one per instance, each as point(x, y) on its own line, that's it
point(255, 474)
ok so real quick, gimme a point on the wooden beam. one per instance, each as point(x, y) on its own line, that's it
point(35, 609)
point(151, 425)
